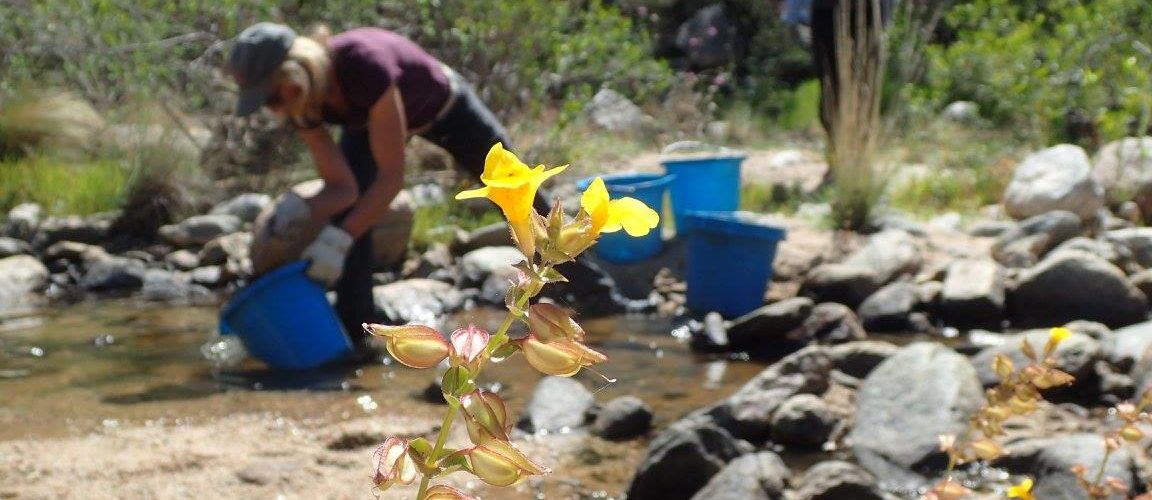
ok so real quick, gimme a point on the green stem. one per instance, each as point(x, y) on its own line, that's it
point(1103, 464)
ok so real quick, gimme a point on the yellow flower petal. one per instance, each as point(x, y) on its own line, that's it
point(473, 193)
point(503, 169)
point(632, 215)
point(1059, 334)
point(595, 202)
point(1022, 490)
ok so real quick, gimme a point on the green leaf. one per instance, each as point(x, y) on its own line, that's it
point(457, 382)
point(505, 351)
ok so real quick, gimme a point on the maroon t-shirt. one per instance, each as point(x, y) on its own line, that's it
point(367, 61)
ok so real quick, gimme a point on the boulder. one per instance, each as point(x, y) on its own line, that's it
point(183, 260)
point(846, 284)
point(20, 276)
point(245, 207)
point(113, 274)
point(887, 310)
point(492, 235)
point(803, 421)
point(1077, 355)
point(837, 480)
point(890, 253)
point(611, 111)
point(1028, 241)
point(1057, 178)
point(23, 220)
point(757, 476)
point(166, 286)
point(91, 229)
point(476, 266)
point(558, 404)
point(209, 276)
point(1127, 345)
point(623, 418)
point(229, 247)
point(1050, 460)
point(858, 359)
point(829, 323)
point(1071, 285)
point(973, 294)
point(1116, 253)
point(897, 424)
point(1124, 170)
point(682, 459)
point(1138, 242)
point(199, 229)
point(417, 300)
point(990, 228)
point(13, 246)
point(769, 322)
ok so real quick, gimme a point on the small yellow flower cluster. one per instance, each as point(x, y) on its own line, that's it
point(554, 344)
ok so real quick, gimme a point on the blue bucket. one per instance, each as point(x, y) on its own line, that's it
point(618, 247)
point(704, 183)
point(729, 261)
point(285, 320)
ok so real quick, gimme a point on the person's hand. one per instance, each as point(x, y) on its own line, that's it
point(327, 255)
point(290, 217)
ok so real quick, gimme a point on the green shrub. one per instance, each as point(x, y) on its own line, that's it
point(63, 187)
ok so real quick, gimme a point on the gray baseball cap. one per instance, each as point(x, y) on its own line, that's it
point(256, 54)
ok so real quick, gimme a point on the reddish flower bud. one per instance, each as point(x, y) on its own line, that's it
point(563, 358)
point(393, 464)
point(500, 464)
point(416, 346)
point(445, 492)
point(468, 345)
point(550, 322)
point(485, 415)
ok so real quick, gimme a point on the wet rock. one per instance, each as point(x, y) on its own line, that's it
point(230, 247)
point(183, 260)
point(611, 111)
point(1029, 240)
point(768, 322)
point(990, 228)
point(13, 246)
point(623, 418)
point(245, 207)
point(209, 276)
point(682, 459)
point(837, 480)
point(113, 274)
point(477, 265)
point(199, 229)
point(421, 300)
point(747, 413)
point(1049, 461)
point(1077, 356)
point(1071, 285)
point(897, 423)
point(846, 284)
point(267, 472)
point(1124, 170)
point(558, 404)
point(1137, 240)
point(166, 286)
point(92, 229)
point(710, 335)
point(804, 421)
point(890, 253)
point(23, 220)
point(1057, 178)
point(858, 359)
point(887, 310)
point(973, 294)
point(829, 323)
point(757, 476)
point(20, 275)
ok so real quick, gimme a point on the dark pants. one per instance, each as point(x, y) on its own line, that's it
point(354, 303)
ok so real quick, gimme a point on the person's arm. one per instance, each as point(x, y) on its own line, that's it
point(387, 132)
point(339, 190)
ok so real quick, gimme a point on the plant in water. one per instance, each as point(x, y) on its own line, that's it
point(554, 344)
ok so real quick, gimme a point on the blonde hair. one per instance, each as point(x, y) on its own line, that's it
point(307, 66)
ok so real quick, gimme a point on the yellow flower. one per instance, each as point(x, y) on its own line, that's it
point(1022, 490)
point(509, 183)
point(1059, 334)
point(608, 215)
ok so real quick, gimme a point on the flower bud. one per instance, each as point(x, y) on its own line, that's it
point(393, 464)
point(562, 358)
point(1021, 406)
point(445, 492)
point(987, 449)
point(550, 322)
point(1052, 378)
point(416, 346)
point(1131, 433)
point(1002, 366)
point(468, 345)
point(485, 415)
point(500, 464)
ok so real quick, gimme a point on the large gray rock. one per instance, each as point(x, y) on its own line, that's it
point(1127, 345)
point(558, 404)
point(837, 480)
point(492, 235)
point(1077, 355)
point(230, 247)
point(747, 413)
point(804, 421)
point(622, 418)
point(13, 246)
point(757, 476)
point(245, 207)
point(858, 359)
point(973, 293)
point(768, 323)
point(1124, 169)
point(91, 229)
point(199, 229)
point(1113, 251)
point(898, 423)
point(1057, 178)
point(682, 459)
point(113, 274)
point(1071, 285)
point(611, 111)
point(1032, 238)
point(847, 284)
point(890, 253)
point(1137, 240)
point(183, 260)
point(1050, 461)
point(417, 300)
point(476, 266)
point(887, 310)
point(829, 323)
point(20, 275)
point(23, 220)
point(166, 286)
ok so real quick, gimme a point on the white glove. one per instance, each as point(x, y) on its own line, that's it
point(290, 217)
point(327, 255)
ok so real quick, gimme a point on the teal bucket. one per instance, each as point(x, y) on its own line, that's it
point(618, 247)
point(704, 183)
point(285, 320)
point(729, 261)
